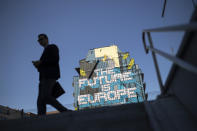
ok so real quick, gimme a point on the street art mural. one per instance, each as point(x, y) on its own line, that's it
point(108, 78)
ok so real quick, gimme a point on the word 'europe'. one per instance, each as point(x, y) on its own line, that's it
point(107, 96)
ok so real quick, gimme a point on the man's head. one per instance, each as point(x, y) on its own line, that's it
point(43, 40)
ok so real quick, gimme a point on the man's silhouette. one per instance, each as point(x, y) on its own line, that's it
point(49, 72)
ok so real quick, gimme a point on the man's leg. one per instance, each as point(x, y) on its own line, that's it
point(50, 99)
point(41, 105)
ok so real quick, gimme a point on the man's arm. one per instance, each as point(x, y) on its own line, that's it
point(36, 63)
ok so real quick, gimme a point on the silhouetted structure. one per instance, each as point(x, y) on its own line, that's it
point(7, 113)
point(108, 76)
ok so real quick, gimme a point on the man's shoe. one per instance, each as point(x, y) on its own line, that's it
point(67, 110)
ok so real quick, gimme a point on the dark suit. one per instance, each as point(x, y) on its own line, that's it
point(49, 72)
point(49, 67)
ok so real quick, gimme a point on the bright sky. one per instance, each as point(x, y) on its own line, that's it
point(76, 26)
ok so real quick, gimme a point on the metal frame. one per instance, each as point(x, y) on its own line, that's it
point(174, 59)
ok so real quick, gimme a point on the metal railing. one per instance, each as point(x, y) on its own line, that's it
point(174, 59)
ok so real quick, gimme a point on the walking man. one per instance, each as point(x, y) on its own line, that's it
point(49, 72)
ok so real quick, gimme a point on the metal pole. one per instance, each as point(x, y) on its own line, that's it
point(176, 60)
point(164, 7)
point(156, 65)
